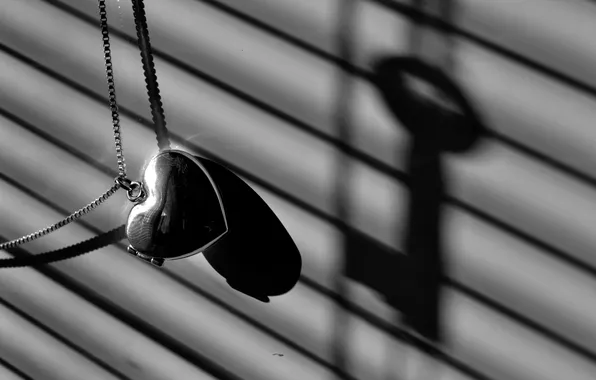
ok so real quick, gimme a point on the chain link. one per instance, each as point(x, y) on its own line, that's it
point(117, 138)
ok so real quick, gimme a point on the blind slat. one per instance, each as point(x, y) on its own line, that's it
point(40, 355)
point(155, 298)
point(92, 329)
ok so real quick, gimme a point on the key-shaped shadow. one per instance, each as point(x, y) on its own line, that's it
point(411, 283)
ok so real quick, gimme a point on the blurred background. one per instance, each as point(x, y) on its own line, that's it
point(276, 90)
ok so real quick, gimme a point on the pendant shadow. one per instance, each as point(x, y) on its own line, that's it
point(258, 256)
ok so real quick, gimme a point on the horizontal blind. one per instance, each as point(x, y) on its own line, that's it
point(254, 85)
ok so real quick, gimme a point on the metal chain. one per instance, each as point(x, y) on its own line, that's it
point(71, 218)
point(144, 43)
point(103, 14)
point(121, 180)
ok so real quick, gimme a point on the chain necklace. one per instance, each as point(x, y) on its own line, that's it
point(135, 191)
point(121, 179)
point(184, 213)
point(178, 206)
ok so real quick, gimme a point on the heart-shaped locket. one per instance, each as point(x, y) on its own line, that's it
point(257, 256)
point(181, 212)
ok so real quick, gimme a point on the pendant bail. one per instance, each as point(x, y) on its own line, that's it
point(134, 190)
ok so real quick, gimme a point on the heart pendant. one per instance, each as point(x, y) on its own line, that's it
point(181, 212)
point(257, 256)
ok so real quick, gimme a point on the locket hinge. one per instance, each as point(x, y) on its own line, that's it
point(156, 261)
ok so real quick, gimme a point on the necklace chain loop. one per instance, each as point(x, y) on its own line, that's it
point(71, 218)
point(111, 88)
point(135, 190)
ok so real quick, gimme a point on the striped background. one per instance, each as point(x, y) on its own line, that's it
point(255, 84)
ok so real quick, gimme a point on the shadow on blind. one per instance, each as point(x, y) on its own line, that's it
point(255, 85)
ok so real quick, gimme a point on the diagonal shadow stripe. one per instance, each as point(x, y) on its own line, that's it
point(438, 23)
point(22, 375)
point(363, 74)
point(146, 123)
point(342, 120)
point(411, 13)
point(528, 322)
point(544, 247)
point(262, 327)
point(297, 123)
point(185, 352)
point(355, 153)
point(127, 317)
point(394, 331)
point(340, 224)
point(89, 356)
